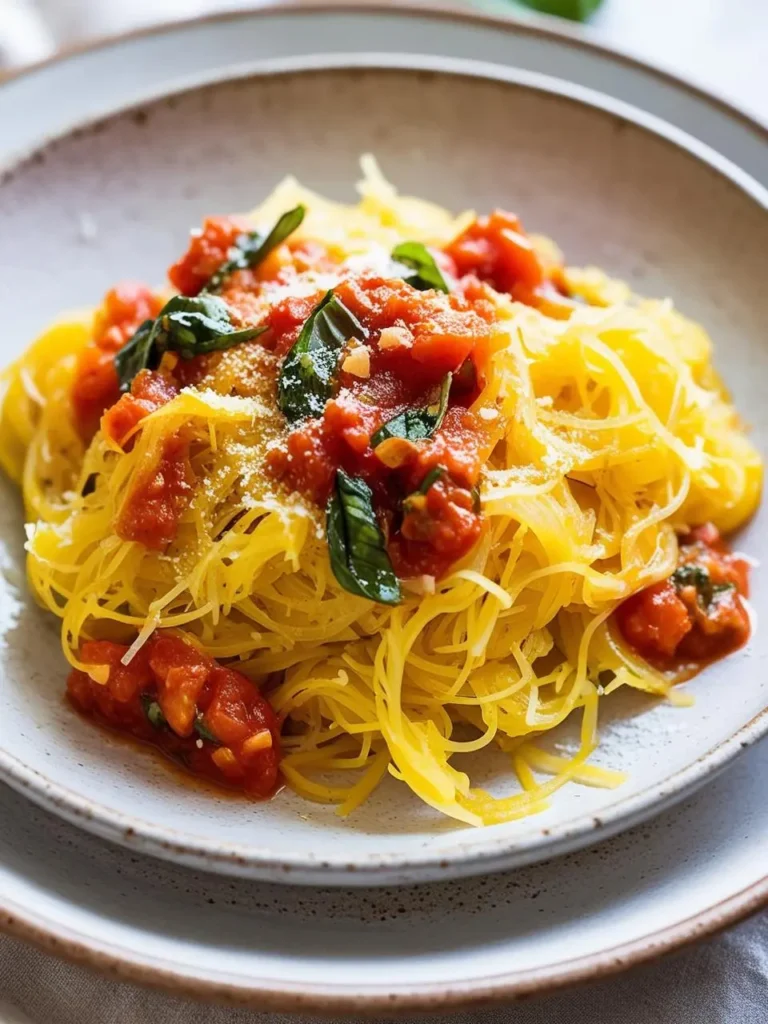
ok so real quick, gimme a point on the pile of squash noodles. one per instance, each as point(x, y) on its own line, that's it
point(611, 433)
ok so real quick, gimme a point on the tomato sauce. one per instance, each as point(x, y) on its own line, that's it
point(495, 249)
point(151, 511)
point(95, 387)
point(413, 340)
point(696, 616)
point(207, 717)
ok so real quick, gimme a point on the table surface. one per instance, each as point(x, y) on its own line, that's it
point(720, 44)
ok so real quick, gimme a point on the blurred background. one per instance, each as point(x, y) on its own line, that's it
point(722, 44)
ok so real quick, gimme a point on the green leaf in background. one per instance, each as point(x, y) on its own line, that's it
point(356, 544)
point(254, 247)
point(574, 10)
point(416, 424)
point(422, 271)
point(308, 374)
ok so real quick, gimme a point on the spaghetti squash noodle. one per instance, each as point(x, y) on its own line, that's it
point(374, 486)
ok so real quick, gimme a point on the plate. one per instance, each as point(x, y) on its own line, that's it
point(115, 198)
point(691, 871)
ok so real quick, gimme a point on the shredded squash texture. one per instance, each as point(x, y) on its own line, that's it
point(611, 432)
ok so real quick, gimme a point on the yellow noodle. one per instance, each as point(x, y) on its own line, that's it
point(612, 432)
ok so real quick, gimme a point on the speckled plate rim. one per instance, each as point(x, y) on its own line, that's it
point(479, 851)
point(265, 995)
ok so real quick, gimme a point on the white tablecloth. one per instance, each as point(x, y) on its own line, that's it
point(721, 43)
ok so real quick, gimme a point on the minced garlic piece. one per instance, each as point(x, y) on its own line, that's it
point(358, 362)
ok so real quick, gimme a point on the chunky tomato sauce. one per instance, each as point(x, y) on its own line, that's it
point(204, 715)
point(95, 386)
point(697, 615)
point(414, 338)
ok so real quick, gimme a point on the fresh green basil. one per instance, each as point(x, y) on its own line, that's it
point(432, 477)
point(254, 247)
point(204, 732)
point(356, 545)
point(153, 711)
point(189, 326)
point(308, 374)
point(420, 269)
point(136, 355)
point(416, 424)
point(696, 576)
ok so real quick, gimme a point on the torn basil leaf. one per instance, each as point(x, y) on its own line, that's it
point(153, 711)
point(204, 732)
point(419, 266)
point(416, 424)
point(690, 575)
point(431, 478)
point(136, 355)
point(308, 374)
point(356, 545)
point(254, 247)
point(189, 326)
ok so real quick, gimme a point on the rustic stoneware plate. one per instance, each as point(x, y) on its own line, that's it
point(115, 198)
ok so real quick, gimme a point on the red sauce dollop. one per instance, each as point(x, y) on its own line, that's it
point(687, 621)
point(198, 699)
point(95, 386)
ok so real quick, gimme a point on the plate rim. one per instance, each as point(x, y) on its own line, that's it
point(475, 854)
point(292, 997)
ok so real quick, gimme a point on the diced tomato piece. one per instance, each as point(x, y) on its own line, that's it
point(496, 249)
point(442, 352)
point(208, 249)
point(151, 511)
point(149, 391)
point(125, 307)
point(654, 621)
point(95, 388)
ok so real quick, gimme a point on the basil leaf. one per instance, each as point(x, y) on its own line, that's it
point(356, 544)
point(697, 576)
point(416, 424)
point(431, 478)
point(308, 374)
point(204, 732)
point(253, 248)
point(137, 354)
point(197, 326)
point(153, 711)
point(422, 271)
point(189, 326)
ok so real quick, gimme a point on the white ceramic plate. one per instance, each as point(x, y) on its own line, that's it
point(613, 186)
point(691, 871)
